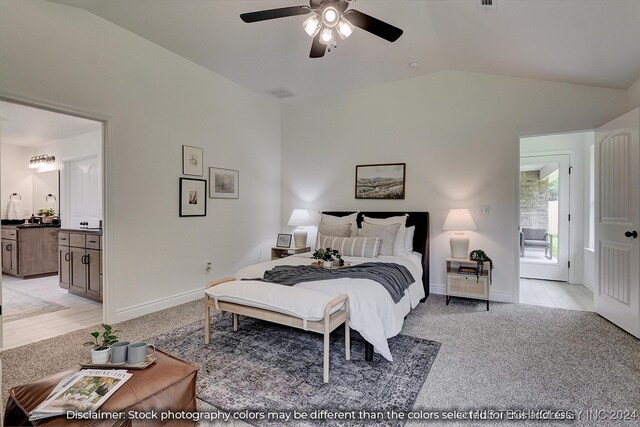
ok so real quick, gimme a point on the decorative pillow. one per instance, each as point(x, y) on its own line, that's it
point(399, 242)
point(386, 233)
point(338, 220)
point(336, 230)
point(408, 239)
point(367, 247)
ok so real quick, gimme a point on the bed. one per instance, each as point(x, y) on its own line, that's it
point(374, 315)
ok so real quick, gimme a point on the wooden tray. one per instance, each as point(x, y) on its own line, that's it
point(144, 365)
point(335, 267)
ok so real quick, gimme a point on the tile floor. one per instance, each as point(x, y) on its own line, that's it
point(81, 312)
point(555, 294)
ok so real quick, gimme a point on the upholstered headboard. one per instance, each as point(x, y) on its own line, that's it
point(420, 237)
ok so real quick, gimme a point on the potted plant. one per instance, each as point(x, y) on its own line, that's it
point(328, 257)
point(47, 214)
point(480, 257)
point(102, 344)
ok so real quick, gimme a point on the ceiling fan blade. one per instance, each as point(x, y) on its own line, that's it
point(317, 49)
point(282, 12)
point(373, 25)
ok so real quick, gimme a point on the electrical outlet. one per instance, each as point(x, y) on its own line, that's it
point(484, 209)
point(209, 267)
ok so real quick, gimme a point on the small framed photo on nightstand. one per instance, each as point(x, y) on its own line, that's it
point(284, 241)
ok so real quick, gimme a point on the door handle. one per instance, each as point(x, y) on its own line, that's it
point(9, 247)
point(66, 256)
point(633, 234)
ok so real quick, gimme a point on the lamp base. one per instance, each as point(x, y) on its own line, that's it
point(459, 246)
point(300, 237)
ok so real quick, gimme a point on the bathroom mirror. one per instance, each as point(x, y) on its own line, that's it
point(46, 191)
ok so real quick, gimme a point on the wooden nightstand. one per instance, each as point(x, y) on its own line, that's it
point(277, 253)
point(466, 285)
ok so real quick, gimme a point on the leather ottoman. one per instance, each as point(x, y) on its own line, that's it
point(167, 385)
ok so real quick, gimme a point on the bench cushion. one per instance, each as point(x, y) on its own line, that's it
point(297, 302)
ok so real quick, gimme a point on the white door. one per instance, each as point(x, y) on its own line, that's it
point(544, 217)
point(617, 201)
point(84, 196)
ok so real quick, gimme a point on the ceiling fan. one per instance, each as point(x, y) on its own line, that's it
point(328, 17)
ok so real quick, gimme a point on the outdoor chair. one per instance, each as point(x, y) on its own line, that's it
point(536, 238)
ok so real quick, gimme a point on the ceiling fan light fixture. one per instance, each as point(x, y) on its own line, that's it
point(312, 25)
point(345, 28)
point(327, 36)
point(330, 16)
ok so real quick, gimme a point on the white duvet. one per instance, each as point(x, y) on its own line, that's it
point(373, 313)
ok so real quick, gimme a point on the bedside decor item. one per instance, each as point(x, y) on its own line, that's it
point(300, 218)
point(224, 183)
point(102, 346)
point(459, 220)
point(192, 160)
point(328, 257)
point(284, 241)
point(193, 197)
point(382, 181)
point(480, 257)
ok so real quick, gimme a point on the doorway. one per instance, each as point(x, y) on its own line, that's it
point(35, 305)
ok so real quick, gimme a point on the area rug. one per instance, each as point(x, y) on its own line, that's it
point(18, 305)
point(266, 367)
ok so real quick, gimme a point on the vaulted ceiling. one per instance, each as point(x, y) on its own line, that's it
point(593, 42)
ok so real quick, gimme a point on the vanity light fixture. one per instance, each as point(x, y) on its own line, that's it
point(41, 160)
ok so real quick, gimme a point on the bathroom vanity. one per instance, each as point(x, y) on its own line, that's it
point(80, 257)
point(30, 249)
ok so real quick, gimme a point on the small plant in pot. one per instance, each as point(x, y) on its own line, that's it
point(102, 344)
point(47, 214)
point(328, 257)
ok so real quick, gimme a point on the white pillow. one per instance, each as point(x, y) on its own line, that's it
point(399, 242)
point(408, 239)
point(367, 247)
point(386, 233)
point(339, 220)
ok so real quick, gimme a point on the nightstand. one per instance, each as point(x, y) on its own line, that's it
point(459, 284)
point(277, 253)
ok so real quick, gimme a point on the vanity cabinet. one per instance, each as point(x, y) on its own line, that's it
point(29, 250)
point(80, 258)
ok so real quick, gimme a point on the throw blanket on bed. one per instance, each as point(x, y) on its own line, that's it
point(394, 278)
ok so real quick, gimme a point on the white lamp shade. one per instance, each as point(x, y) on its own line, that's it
point(459, 220)
point(299, 218)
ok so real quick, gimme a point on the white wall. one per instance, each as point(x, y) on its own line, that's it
point(458, 133)
point(16, 177)
point(633, 96)
point(155, 101)
point(575, 145)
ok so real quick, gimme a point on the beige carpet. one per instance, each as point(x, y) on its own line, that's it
point(515, 356)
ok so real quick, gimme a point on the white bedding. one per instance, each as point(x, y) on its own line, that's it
point(373, 313)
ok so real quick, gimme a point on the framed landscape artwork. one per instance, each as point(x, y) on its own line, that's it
point(193, 197)
point(383, 181)
point(223, 183)
point(192, 160)
point(284, 241)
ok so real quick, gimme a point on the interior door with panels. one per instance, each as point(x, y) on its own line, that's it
point(617, 201)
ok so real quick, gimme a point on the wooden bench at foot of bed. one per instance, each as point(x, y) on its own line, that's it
point(290, 306)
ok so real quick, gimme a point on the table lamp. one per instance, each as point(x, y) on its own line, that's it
point(300, 218)
point(459, 220)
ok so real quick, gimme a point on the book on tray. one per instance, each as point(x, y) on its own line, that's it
point(84, 391)
point(467, 270)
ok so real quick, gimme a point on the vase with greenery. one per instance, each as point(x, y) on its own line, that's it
point(102, 344)
point(47, 215)
point(328, 255)
point(480, 257)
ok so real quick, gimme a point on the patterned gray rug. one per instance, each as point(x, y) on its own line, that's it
point(18, 305)
point(267, 367)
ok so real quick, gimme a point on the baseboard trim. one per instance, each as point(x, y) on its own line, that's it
point(493, 296)
point(157, 305)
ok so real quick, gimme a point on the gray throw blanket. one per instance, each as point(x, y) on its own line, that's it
point(394, 278)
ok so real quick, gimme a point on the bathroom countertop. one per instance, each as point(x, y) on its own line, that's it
point(95, 231)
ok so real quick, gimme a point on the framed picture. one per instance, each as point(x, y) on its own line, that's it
point(384, 181)
point(223, 183)
point(192, 161)
point(193, 197)
point(284, 241)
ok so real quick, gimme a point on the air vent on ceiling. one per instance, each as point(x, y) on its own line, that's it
point(487, 5)
point(280, 92)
